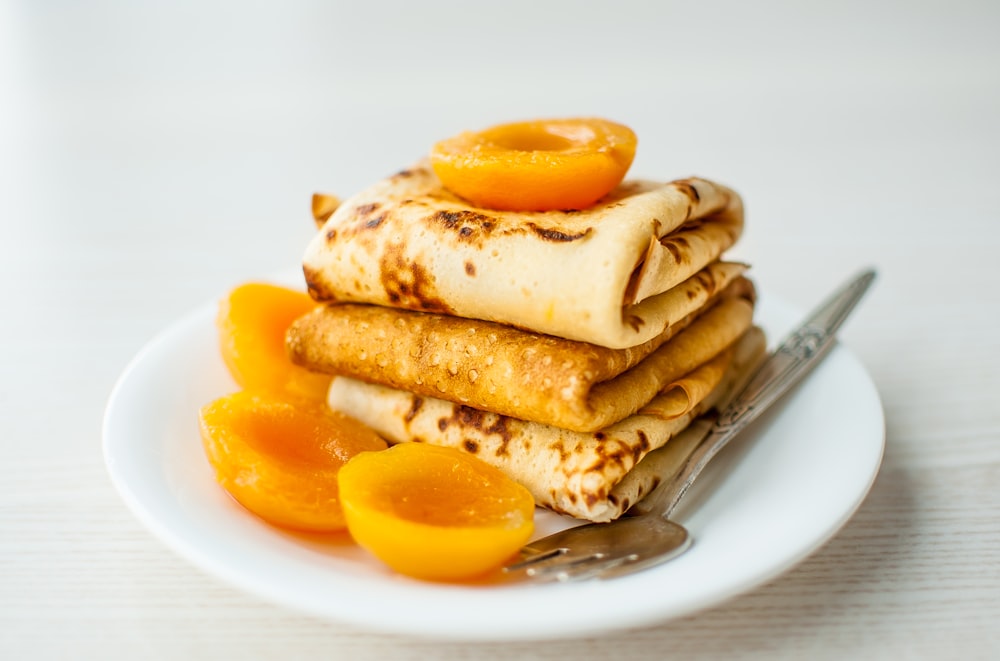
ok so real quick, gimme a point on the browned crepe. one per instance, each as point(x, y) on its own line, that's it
point(598, 275)
point(488, 366)
point(585, 475)
point(323, 206)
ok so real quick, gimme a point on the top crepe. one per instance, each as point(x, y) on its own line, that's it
point(593, 276)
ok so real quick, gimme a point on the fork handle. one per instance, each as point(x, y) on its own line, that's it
point(796, 355)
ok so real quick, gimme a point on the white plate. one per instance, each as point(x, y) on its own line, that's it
point(764, 504)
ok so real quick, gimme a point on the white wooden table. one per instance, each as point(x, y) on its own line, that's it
point(152, 157)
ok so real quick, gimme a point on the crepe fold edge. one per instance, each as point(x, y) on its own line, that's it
point(665, 462)
point(573, 473)
point(544, 379)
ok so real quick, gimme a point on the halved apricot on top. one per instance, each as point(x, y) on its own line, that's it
point(541, 165)
point(252, 323)
point(281, 458)
point(434, 513)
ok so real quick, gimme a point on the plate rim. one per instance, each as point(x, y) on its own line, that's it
point(198, 554)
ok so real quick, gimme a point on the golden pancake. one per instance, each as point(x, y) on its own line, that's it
point(575, 473)
point(525, 375)
point(593, 275)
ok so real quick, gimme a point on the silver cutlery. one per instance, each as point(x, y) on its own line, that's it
point(645, 536)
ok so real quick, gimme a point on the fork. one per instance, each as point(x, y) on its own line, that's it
point(645, 536)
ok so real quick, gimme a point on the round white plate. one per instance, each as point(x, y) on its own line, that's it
point(765, 503)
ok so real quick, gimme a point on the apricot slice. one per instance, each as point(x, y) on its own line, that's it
point(434, 513)
point(539, 165)
point(252, 323)
point(280, 458)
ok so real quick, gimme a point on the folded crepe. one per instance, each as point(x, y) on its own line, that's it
point(594, 476)
point(565, 348)
point(492, 367)
point(602, 275)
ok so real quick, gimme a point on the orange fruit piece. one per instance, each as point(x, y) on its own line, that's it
point(280, 458)
point(252, 323)
point(434, 513)
point(540, 165)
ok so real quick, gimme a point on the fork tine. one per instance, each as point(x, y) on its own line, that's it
point(638, 564)
point(561, 565)
point(629, 566)
point(576, 570)
point(557, 545)
point(529, 559)
point(559, 568)
point(590, 550)
point(534, 561)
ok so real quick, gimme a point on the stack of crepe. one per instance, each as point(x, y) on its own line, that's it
point(565, 348)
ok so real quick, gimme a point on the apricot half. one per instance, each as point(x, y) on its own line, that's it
point(541, 165)
point(434, 513)
point(280, 459)
point(252, 323)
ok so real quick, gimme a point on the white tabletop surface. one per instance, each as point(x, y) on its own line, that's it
point(154, 154)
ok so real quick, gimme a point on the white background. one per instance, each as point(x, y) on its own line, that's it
point(154, 154)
